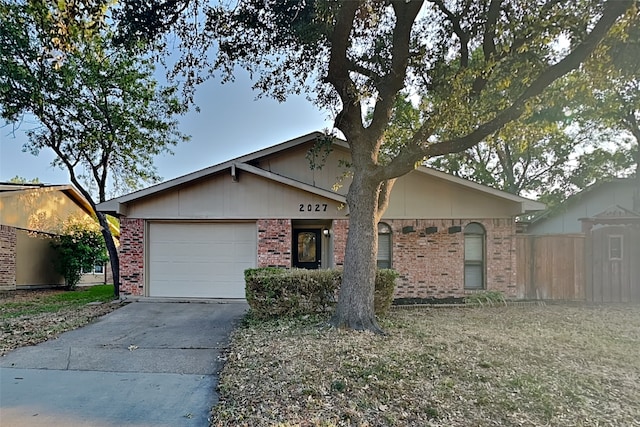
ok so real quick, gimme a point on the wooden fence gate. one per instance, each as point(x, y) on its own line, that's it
point(613, 274)
point(551, 267)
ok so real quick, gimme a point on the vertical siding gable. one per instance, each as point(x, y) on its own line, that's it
point(218, 197)
point(418, 195)
point(294, 164)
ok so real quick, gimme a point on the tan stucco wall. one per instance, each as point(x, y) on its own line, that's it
point(415, 195)
point(97, 278)
point(39, 209)
point(34, 266)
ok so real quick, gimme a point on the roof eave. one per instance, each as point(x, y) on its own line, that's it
point(202, 173)
point(112, 207)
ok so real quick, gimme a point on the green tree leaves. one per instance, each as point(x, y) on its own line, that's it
point(98, 106)
point(78, 248)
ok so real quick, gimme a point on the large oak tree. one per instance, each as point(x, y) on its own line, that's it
point(482, 64)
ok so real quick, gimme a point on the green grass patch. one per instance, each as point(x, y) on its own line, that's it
point(56, 302)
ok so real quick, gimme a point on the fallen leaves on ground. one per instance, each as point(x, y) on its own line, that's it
point(31, 329)
point(500, 366)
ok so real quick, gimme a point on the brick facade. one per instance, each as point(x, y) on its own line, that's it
point(274, 243)
point(432, 265)
point(8, 250)
point(131, 256)
point(340, 229)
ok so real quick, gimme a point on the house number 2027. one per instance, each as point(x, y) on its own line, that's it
point(317, 207)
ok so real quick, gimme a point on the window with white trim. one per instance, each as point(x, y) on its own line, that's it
point(474, 256)
point(384, 245)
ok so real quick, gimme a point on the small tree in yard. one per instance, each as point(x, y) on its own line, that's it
point(98, 106)
point(482, 63)
point(79, 247)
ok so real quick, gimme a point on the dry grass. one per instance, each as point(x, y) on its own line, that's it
point(28, 317)
point(499, 366)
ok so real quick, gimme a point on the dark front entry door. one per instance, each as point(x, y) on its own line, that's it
point(307, 248)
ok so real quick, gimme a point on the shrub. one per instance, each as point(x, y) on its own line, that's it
point(385, 285)
point(486, 297)
point(78, 248)
point(276, 292)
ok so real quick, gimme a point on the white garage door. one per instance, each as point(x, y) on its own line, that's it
point(200, 260)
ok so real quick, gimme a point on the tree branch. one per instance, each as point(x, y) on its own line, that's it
point(457, 29)
point(394, 81)
point(613, 10)
point(349, 119)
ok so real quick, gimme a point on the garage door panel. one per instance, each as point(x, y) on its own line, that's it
point(199, 289)
point(200, 260)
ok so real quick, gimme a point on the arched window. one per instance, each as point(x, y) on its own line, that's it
point(384, 245)
point(474, 256)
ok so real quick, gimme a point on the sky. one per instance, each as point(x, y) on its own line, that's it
point(231, 123)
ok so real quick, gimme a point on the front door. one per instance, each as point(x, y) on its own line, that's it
point(307, 248)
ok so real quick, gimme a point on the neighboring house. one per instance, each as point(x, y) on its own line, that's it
point(194, 236)
point(588, 248)
point(29, 215)
point(565, 219)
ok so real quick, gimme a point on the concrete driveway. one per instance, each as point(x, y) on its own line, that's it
point(145, 364)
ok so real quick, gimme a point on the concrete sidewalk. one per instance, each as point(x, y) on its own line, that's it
point(145, 364)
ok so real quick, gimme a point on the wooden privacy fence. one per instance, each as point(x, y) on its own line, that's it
point(551, 267)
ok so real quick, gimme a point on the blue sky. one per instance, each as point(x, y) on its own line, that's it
point(231, 123)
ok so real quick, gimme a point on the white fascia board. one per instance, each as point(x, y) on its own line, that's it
point(112, 207)
point(532, 206)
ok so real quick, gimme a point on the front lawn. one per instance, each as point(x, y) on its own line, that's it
point(28, 317)
point(506, 366)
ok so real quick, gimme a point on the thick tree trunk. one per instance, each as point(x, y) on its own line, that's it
point(636, 193)
point(112, 250)
point(104, 225)
point(355, 309)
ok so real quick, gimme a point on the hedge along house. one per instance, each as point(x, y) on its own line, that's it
point(194, 236)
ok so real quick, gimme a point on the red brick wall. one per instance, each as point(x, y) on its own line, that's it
point(274, 243)
point(8, 246)
point(501, 256)
point(340, 229)
point(432, 265)
point(131, 256)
